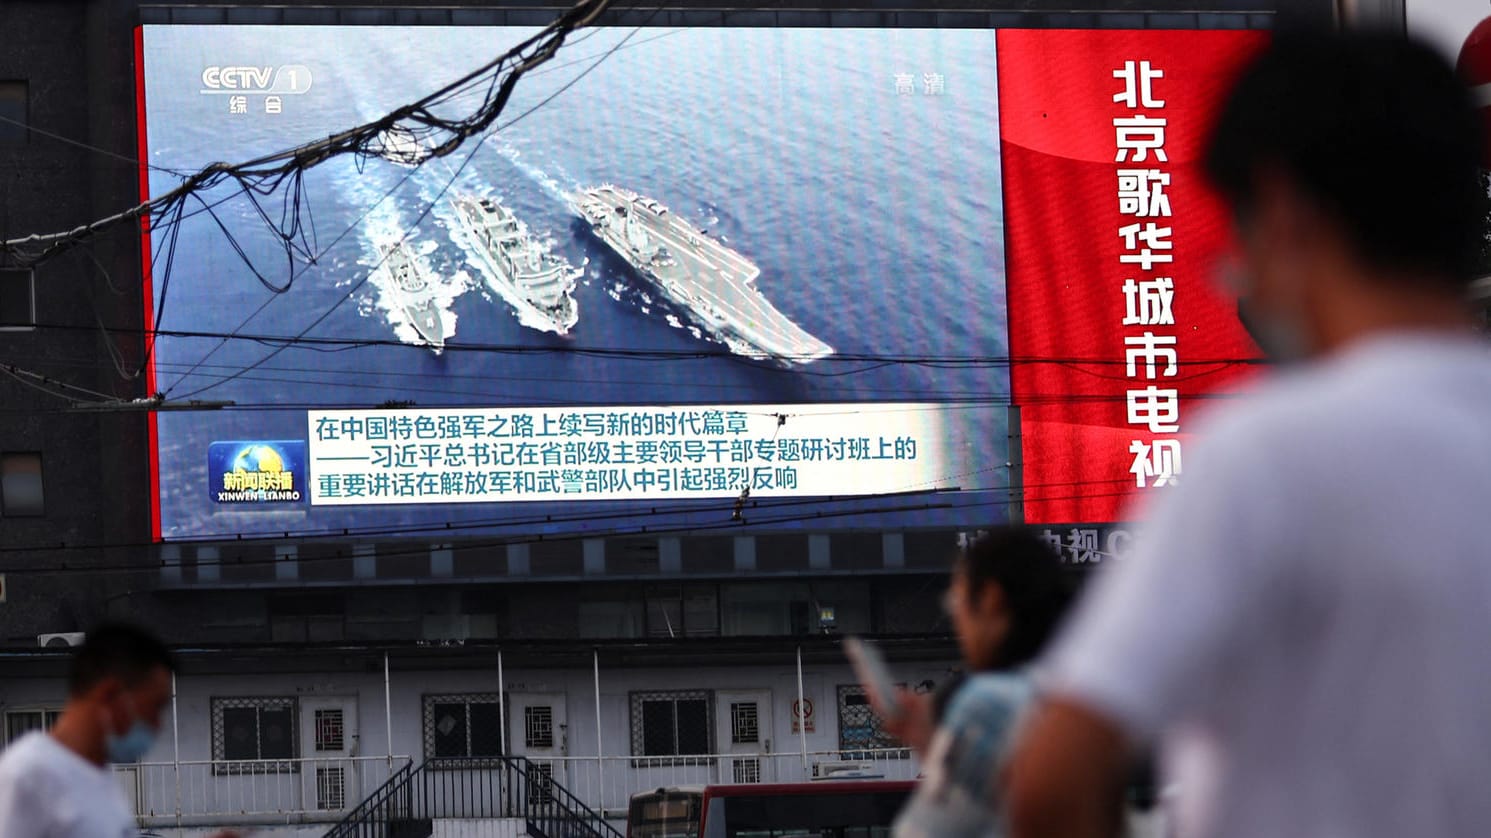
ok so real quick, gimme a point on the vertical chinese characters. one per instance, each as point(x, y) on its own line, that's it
point(1150, 353)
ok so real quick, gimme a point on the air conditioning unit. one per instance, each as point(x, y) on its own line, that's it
point(65, 639)
point(846, 771)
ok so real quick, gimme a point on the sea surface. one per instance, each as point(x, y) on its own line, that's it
point(874, 214)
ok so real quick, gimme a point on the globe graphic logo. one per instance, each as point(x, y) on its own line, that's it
point(254, 458)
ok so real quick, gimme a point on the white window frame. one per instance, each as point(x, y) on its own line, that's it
point(6, 510)
point(30, 324)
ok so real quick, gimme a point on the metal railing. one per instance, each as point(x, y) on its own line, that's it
point(543, 790)
point(607, 783)
point(473, 789)
point(314, 790)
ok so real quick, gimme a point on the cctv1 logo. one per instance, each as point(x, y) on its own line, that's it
point(256, 471)
point(286, 79)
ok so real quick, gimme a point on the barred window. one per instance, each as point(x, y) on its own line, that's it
point(859, 727)
point(745, 771)
point(464, 726)
point(538, 726)
point(330, 730)
point(745, 723)
point(246, 731)
point(331, 788)
point(540, 783)
point(671, 723)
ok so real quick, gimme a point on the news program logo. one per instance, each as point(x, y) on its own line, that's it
point(256, 472)
point(288, 78)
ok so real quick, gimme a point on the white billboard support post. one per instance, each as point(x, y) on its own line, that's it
point(388, 712)
point(802, 710)
point(501, 704)
point(176, 746)
point(600, 763)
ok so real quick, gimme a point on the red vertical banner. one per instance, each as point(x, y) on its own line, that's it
point(1117, 328)
point(147, 286)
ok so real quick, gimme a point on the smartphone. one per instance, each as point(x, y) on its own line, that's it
point(874, 675)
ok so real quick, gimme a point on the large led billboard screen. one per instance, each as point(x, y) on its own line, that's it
point(793, 322)
point(687, 267)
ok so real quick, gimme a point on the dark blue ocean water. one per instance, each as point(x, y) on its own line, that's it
point(875, 217)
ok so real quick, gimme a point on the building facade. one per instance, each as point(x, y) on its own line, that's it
point(313, 669)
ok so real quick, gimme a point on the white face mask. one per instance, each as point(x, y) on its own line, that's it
point(1281, 339)
point(132, 745)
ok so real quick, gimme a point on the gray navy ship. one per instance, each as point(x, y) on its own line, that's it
point(714, 283)
point(411, 293)
point(537, 283)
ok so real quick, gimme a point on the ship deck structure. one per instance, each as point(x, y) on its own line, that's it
point(711, 281)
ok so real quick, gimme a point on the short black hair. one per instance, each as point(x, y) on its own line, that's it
point(1037, 589)
point(1377, 129)
point(116, 650)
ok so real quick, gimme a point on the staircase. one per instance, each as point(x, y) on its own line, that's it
point(414, 798)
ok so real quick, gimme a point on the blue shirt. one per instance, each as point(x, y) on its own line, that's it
point(957, 794)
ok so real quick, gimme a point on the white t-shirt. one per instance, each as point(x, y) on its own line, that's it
point(48, 791)
point(1310, 608)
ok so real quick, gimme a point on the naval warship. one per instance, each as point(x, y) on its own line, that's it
point(535, 282)
point(714, 283)
point(410, 290)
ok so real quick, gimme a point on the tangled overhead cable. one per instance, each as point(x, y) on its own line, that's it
point(389, 136)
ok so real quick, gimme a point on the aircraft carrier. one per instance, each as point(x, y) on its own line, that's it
point(411, 293)
point(714, 283)
point(536, 283)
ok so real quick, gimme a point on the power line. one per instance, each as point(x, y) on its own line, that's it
point(755, 526)
point(699, 506)
point(484, 135)
point(266, 173)
point(928, 360)
point(15, 123)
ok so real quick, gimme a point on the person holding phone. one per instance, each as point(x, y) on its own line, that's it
point(1007, 594)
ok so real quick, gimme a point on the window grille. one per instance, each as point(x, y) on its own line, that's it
point(462, 726)
point(672, 724)
point(254, 735)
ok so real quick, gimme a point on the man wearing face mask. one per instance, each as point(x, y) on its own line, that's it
point(1304, 623)
point(59, 784)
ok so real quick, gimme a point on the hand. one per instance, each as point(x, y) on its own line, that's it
point(914, 724)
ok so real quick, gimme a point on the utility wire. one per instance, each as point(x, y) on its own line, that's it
point(757, 526)
point(928, 360)
point(264, 174)
point(676, 506)
point(501, 98)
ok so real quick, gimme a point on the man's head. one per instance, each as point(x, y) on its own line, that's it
point(122, 676)
point(1007, 595)
point(1350, 162)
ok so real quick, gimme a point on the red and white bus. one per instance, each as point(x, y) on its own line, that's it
point(839, 809)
